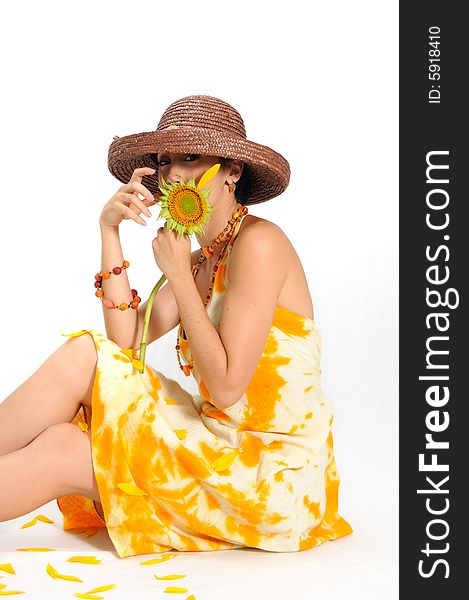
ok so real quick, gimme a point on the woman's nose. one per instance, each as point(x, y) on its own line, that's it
point(174, 176)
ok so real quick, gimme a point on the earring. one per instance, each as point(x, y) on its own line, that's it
point(232, 186)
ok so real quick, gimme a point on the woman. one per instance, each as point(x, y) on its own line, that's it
point(248, 461)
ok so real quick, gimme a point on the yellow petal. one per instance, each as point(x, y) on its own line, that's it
point(70, 578)
point(191, 597)
point(52, 572)
point(170, 577)
point(154, 561)
point(29, 523)
point(56, 575)
point(137, 363)
point(88, 596)
point(209, 173)
point(131, 489)
point(8, 568)
point(175, 590)
point(87, 560)
point(35, 549)
point(44, 519)
point(2, 585)
point(83, 426)
point(181, 433)
point(11, 592)
point(103, 588)
point(76, 333)
point(170, 401)
point(130, 352)
point(224, 461)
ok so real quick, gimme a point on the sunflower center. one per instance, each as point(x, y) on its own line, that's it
point(186, 205)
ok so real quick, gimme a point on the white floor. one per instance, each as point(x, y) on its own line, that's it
point(361, 566)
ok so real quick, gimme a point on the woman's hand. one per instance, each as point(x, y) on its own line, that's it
point(125, 204)
point(172, 253)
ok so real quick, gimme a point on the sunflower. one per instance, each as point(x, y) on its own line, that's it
point(185, 205)
point(186, 209)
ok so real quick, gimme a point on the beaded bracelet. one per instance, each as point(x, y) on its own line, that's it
point(108, 303)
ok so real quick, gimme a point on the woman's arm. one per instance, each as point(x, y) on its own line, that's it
point(164, 314)
point(125, 327)
point(257, 271)
point(120, 325)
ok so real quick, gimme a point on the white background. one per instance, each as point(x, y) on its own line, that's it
point(321, 88)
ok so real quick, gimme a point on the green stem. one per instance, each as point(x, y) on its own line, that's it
point(146, 322)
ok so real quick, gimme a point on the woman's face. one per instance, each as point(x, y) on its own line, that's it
point(172, 166)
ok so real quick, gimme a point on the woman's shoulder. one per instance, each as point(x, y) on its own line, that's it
point(256, 230)
point(259, 227)
point(279, 258)
point(262, 241)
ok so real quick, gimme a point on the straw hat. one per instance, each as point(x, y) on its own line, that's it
point(201, 125)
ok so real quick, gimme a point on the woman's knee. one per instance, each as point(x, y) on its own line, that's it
point(57, 438)
point(76, 366)
point(84, 345)
point(68, 449)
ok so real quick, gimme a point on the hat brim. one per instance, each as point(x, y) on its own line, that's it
point(268, 171)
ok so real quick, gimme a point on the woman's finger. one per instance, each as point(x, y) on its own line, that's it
point(136, 204)
point(138, 188)
point(140, 173)
point(131, 213)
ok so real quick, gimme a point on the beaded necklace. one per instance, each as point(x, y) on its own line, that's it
point(205, 253)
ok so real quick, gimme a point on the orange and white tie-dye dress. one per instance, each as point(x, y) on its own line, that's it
point(175, 472)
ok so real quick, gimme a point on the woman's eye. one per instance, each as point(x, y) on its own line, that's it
point(188, 158)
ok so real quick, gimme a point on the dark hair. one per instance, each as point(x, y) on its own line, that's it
point(243, 185)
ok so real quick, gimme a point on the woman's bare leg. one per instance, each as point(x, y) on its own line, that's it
point(51, 395)
point(56, 463)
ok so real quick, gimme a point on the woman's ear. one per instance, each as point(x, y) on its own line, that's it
point(236, 168)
